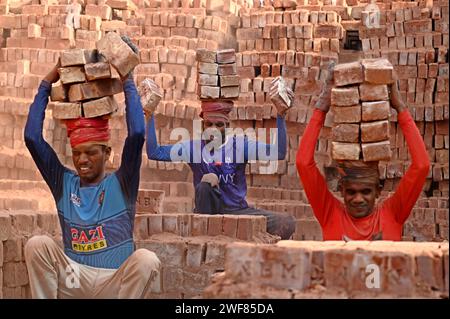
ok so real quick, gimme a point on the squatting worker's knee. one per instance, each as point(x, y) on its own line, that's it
point(37, 243)
point(146, 261)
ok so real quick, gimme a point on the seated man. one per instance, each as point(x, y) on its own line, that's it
point(219, 179)
point(359, 218)
point(96, 210)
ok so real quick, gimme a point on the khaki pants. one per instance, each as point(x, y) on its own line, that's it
point(54, 275)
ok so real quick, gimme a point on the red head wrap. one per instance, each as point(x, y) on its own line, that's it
point(216, 110)
point(83, 130)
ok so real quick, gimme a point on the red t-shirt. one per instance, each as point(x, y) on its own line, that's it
point(389, 216)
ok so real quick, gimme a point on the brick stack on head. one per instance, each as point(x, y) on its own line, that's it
point(84, 96)
point(217, 82)
point(361, 109)
point(360, 104)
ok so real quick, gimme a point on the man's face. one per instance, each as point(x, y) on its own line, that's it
point(359, 198)
point(89, 161)
point(221, 125)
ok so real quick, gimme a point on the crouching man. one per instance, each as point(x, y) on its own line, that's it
point(219, 181)
point(96, 210)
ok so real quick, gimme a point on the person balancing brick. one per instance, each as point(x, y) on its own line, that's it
point(360, 103)
point(217, 74)
point(87, 82)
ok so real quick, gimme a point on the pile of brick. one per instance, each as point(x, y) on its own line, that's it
point(413, 35)
point(15, 229)
point(4, 6)
point(86, 88)
point(169, 60)
point(293, 269)
point(87, 84)
point(265, 54)
point(100, 8)
point(428, 221)
point(121, 9)
point(360, 103)
point(49, 29)
point(242, 227)
point(190, 247)
point(216, 75)
point(169, 41)
point(298, 30)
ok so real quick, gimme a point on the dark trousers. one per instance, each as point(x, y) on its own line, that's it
point(208, 200)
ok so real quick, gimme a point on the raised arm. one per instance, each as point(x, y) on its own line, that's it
point(316, 188)
point(321, 199)
point(128, 172)
point(154, 150)
point(261, 151)
point(43, 155)
point(411, 184)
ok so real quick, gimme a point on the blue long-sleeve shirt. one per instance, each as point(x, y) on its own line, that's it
point(228, 163)
point(96, 221)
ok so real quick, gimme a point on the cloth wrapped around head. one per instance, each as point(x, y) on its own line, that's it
point(357, 171)
point(216, 110)
point(88, 130)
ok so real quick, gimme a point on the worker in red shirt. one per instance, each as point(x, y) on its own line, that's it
point(360, 217)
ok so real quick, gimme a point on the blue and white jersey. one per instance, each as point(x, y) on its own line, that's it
point(96, 221)
point(228, 162)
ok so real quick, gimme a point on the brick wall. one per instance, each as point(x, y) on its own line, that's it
point(15, 229)
point(272, 39)
point(292, 269)
point(190, 247)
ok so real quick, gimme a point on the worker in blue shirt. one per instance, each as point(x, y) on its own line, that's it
point(96, 210)
point(219, 173)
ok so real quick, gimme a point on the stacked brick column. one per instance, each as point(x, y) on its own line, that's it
point(361, 113)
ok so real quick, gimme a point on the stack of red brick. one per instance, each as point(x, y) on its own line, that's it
point(86, 88)
point(191, 247)
point(414, 37)
point(216, 75)
point(361, 113)
point(15, 229)
point(292, 269)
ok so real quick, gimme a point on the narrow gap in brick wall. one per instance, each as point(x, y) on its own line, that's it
point(6, 34)
point(352, 41)
point(257, 71)
point(203, 258)
point(434, 185)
